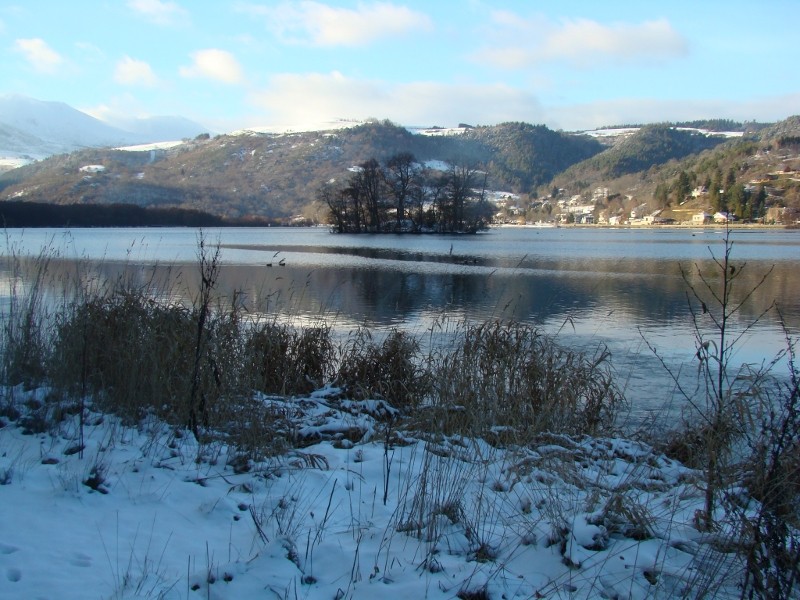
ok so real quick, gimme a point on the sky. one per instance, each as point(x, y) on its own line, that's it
point(567, 64)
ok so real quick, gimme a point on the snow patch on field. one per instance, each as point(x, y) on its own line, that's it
point(153, 146)
point(357, 510)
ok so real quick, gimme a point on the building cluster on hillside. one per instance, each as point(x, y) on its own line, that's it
point(764, 193)
point(577, 209)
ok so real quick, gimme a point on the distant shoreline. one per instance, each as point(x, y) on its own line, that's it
point(710, 227)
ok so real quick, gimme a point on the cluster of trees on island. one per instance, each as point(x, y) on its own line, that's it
point(402, 195)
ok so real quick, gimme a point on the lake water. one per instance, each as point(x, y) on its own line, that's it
point(621, 288)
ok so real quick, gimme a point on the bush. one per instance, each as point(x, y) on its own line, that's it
point(267, 348)
point(128, 352)
point(390, 370)
point(286, 361)
point(512, 380)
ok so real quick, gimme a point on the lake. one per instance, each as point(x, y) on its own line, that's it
point(621, 288)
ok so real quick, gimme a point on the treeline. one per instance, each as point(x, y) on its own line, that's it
point(36, 214)
point(402, 195)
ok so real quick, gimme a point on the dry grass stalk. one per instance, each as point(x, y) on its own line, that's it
point(509, 381)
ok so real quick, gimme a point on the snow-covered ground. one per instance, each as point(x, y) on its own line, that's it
point(153, 146)
point(623, 132)
point(438, 131)
point(310, 126)
point(144, 512)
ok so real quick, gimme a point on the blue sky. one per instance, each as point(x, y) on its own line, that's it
point(567, 64)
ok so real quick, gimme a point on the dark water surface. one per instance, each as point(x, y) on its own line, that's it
point(621, 288)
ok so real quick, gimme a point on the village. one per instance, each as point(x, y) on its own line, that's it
point(597, 208)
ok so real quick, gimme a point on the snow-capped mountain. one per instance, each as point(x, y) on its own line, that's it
point(34, 129)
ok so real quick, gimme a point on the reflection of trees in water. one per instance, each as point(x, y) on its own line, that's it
point(636, 290)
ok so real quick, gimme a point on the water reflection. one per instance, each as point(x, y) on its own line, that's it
point(620, 288)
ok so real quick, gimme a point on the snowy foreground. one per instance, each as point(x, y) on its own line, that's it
point(146, 514)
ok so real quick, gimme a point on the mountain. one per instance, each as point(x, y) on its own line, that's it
point(277, 176)
point(36, 129)
point(16, 142)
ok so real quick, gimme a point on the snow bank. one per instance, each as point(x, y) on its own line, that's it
point(361, 511)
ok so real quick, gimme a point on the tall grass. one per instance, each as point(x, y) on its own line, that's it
point(393, 369)
point(288, 361)
point(511, 382)
point(24, 343)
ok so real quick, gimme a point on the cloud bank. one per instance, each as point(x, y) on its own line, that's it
point(293, 99)
point(580, 43)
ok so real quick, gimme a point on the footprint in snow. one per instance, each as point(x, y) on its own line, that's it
point(7, 548)
point(13, 574)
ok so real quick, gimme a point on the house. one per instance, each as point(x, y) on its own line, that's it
point(639, 211)
point(701, 218)
point(723, 217)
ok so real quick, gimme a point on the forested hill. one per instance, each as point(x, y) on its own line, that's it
point(277, 176)
point(520, 157)
point(650, 145)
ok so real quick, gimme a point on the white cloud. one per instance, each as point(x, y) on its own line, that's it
point(319, 24)
point(296, 99)
point(581, 43)
point(39, 54)
point(158, 11)
point(130, 71)
point(219, 65)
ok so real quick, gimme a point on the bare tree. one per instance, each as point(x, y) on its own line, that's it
point(461, 177)
point(368, 186)
point(336, 202)
point(402, 173)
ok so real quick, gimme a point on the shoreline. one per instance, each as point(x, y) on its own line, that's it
point(710, 227)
